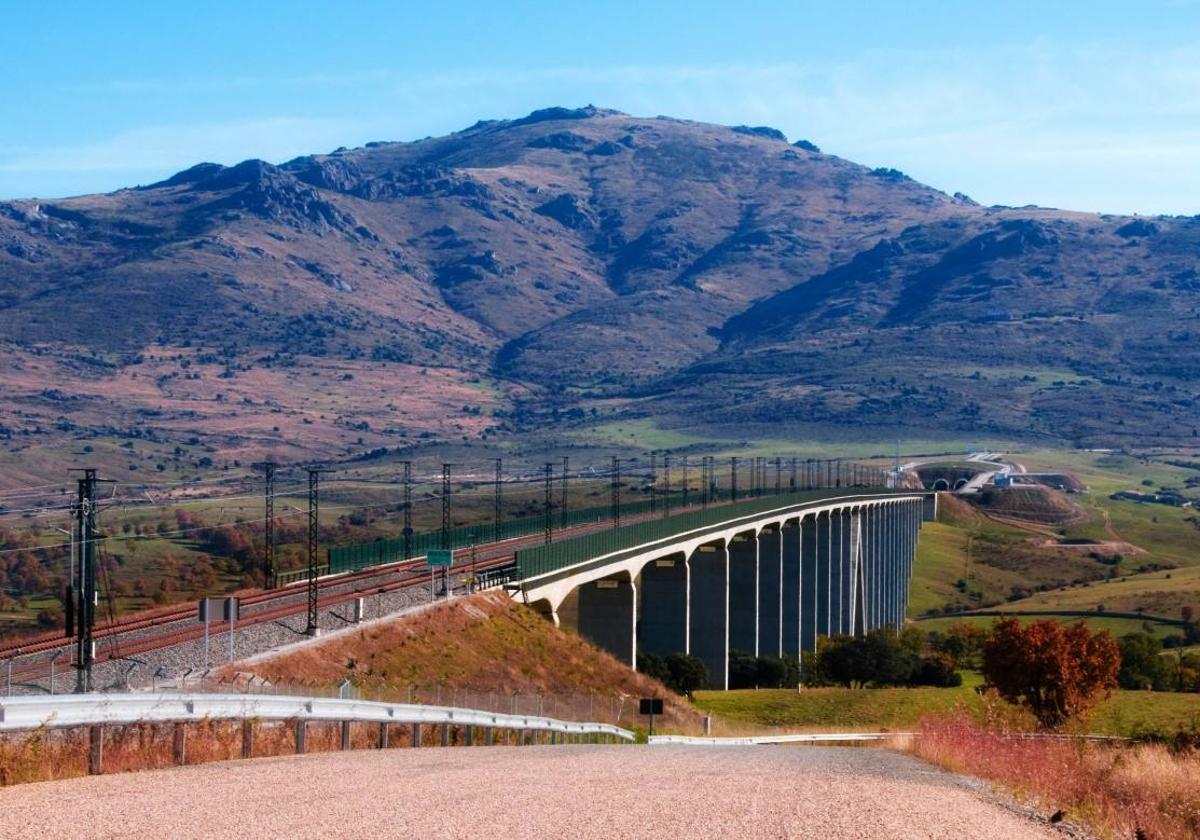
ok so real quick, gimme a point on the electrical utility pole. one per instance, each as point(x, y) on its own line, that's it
point(497, 510)
point(667, 482)
point(615, 491)
point(549, 504)
point(705, 480)
point(85, 614)
point(268, 468)
point(562, 510)
point(733, 488)
point(685, 482)
point(792, 482)
point(653, 483)
point(314, 503)
point(408, 529)
point(446, 505)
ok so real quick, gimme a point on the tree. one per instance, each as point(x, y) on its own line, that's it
point(679, 672)
point(1142, 665)
point(687, 673)
point(1058, 672)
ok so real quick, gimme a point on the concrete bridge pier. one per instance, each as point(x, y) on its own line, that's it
point(608, 615)
point(858, 587)
point(743, 593)
point(663, 615)
point(824, 568)
point(842, 522)
point(770, 592)
point(790, 601)
point(870, 568)
point(708, 617)
point(809, 583)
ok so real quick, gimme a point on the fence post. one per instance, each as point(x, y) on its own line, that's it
point(416, 734)
point(95, 750)
point(247, 739)
point(179, 743)
point(345, 735)
point(383, 736)
point(300, 733)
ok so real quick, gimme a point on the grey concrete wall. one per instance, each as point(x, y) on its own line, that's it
point(791, 605)
point(606, 616)
point(710, 612)
point(770, 593)
point(743, 593)
point(663, 610)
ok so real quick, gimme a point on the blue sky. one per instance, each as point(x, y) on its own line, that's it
point(1088, 106)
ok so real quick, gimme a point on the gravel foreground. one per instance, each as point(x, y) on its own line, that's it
point(530, 792)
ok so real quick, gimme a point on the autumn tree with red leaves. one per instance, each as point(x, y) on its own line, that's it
point(1056, 671)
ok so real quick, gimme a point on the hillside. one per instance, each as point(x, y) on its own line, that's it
point(485, 651)
point(576, 266)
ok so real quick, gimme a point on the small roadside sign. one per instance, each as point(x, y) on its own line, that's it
point(440, 557)
point(650, 706)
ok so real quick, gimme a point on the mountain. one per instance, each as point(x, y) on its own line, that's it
point(579, 264)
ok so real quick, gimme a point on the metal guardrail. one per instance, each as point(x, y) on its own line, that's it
point(809, 738)
point(26, 713)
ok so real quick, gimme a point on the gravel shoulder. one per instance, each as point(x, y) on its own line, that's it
point(531, 792)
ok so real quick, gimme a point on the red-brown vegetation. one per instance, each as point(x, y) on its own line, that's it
point(1114, 790)
point(1057, 671)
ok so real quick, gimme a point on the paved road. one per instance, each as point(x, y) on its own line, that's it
point(607, 792)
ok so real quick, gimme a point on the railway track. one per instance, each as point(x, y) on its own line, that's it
point(177, 625)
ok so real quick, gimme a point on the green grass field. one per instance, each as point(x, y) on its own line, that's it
point(1127, 713)
point(1116, 626)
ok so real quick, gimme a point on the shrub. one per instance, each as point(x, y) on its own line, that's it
point(749, 671)
point(1057, 672)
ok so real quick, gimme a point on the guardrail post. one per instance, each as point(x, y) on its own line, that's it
point(489, 736)
point(553, 739)
point(95, 750)
point(523, 740)
point(470, 733)
point(300, 733)
point(179, 744)
point(383, 736)
point(445, 727)
point(416, 734)
point(247, 739)
point(345, 735)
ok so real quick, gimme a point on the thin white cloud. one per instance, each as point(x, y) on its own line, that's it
point(1102, 126)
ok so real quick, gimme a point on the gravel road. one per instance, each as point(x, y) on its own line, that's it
point(577, 791)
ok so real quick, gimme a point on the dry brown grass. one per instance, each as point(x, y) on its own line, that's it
point(1114, 790)
point(49, 754)
point(480, 651)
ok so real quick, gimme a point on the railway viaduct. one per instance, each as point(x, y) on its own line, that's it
point(765, 577)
